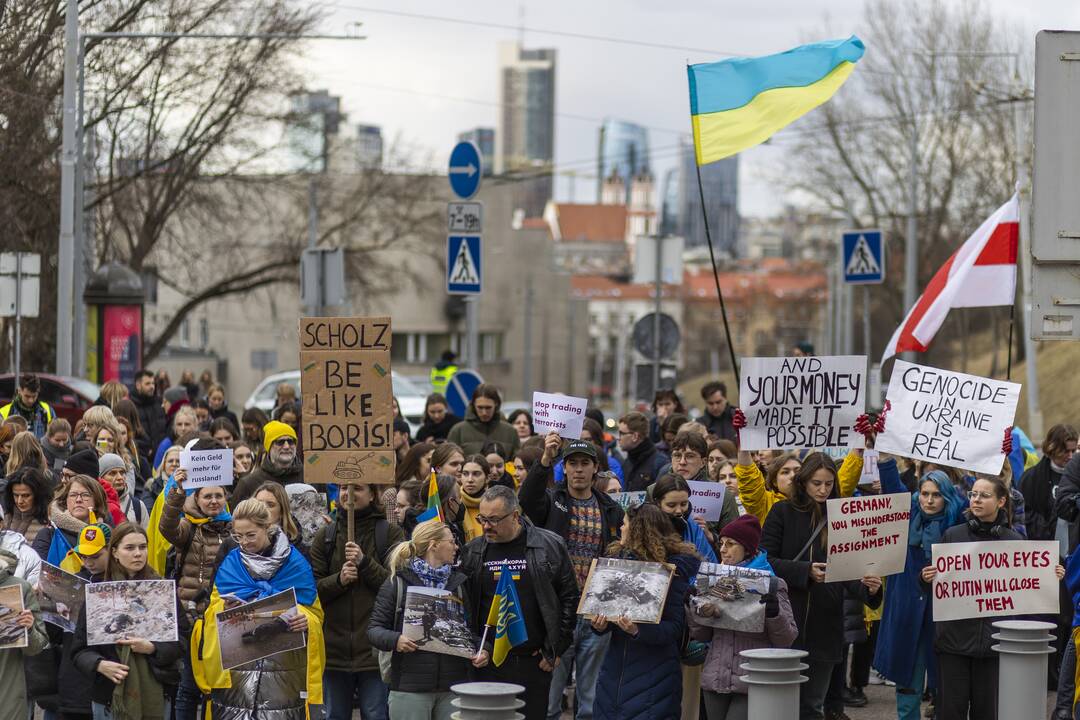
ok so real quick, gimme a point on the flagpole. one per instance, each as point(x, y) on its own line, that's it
point(1012, 319)
point(716, 274)
point(483, 639)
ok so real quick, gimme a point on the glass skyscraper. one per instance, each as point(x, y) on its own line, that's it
point(623, 151)
point(681, 210)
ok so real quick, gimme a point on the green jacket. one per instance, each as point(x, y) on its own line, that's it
point(471, 434)
point(12, 662)
point(347, 608)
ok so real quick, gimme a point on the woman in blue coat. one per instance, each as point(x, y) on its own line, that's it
point(905, 644)
point(641, 678)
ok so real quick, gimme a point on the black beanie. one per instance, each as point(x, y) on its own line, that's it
point(84, 462)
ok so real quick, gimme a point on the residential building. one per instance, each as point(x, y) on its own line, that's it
point(484, 139)
point(525, 133)
point(369, 147)
point(623, 154)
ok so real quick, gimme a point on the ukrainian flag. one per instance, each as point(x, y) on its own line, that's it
point(736, 104)
point(433, 511)
point(505, 617)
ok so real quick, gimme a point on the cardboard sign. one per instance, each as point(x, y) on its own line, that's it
point(729, 597)
point(563, 414)
point(347, 400)
point(629, 500)
point(808, 402)
point(207, 468)
point(707, 499)
point(997, 577)
point(948, 418)
point(868, 535)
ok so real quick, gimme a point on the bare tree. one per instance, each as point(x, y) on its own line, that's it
point(931, 69)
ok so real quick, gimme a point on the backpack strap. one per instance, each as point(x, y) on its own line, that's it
point(813, 537)
point(382, 539)
point(329, 540)
point(399, 585)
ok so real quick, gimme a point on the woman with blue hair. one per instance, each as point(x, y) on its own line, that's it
point(905, 645)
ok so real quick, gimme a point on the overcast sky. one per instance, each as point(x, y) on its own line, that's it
point(425, 80)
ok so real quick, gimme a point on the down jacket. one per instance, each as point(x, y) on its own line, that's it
point(347, 608)
point(641, 678)
point(269, 689)
point(197, 548)
point(415, 671)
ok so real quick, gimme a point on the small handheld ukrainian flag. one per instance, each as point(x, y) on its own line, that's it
point(434, 504)
point(505, 617)
point(739, 103)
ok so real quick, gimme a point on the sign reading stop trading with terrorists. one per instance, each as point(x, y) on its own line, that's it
point(868, 535)
point(347, 390)
point(808, 402)
point(948, 418)
point(1004, 577)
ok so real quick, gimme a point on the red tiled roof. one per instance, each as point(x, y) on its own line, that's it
point(602, 287)
point(591, 223)
point(534, 223)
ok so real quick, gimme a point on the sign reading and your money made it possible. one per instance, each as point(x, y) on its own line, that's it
point(347, 391)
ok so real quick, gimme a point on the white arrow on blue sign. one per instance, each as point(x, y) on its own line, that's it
point(465, 170)
point(463, 268)
point(460, 389)
point(863, 257)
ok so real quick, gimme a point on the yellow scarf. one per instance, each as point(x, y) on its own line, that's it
point(473, 529)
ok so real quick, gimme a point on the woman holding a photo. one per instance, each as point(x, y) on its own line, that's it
point(129, 677)
point(641, 676)
point(262, 564)
point(420, 681)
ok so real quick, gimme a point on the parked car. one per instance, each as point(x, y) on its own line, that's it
point(68, 396)
point(410, 397)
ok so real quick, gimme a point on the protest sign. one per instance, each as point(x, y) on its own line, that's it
point(629, 500)
point(707, 499)
point(12, 635)
point(258, 629)
point(870, 473)
point(207, 468)
point(60, 596)
point(618, 586)
point(1000, 577)
point(435, 620)
point(347, 399)
point(802, 402)
point(948, 418)
point(868, 535)
point(130, 608)
point(563, 414)
point(729, 597)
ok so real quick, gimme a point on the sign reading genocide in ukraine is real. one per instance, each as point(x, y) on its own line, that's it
point(807, 402)
point(347, 391)
point(947, 417)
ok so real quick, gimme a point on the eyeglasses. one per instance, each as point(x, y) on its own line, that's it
point(973, 494)
point(687, 456)
point(285, 441)
point(246, 537)
point(492, 521)
point(80, 495)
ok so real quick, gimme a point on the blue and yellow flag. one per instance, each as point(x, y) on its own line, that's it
point(505, 617)
point(434, 504)
point(739, 103)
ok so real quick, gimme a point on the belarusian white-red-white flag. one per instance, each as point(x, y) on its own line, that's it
point(982, 273)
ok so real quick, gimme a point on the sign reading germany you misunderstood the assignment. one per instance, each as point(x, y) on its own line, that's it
point(1005, 577)
point(868, 535)
point(347, 390)
point(948, 417)
point(808, 402)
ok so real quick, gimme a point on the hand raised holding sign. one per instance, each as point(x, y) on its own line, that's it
point(552, 446)
point(180, 476)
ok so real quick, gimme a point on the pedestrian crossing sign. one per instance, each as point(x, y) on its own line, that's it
point(863, 257)
point(463, 265)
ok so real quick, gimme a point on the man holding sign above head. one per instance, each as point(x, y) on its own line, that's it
point(588, 521)
point(280, 464)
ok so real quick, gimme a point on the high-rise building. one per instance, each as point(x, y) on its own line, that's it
point(484, 139)
point(623, 152)
point(313, 125)
point(369, 147)
point(681, 211)
point(525, 133)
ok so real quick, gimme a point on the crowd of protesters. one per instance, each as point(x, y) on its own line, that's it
point(106, 499)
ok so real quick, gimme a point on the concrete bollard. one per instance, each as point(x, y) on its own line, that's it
point(1023, 646)
point(487, 701)
point(774, 676)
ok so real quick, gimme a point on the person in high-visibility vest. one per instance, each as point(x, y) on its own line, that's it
point(443, 371)
point(37, 413)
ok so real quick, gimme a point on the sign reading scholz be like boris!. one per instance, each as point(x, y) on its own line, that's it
point(347, 391)
point(948, 417)
point(809, 402)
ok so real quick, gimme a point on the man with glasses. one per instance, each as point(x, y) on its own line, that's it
point(688, 454)
point(546, 588)
point(588, 521)
point(280, 464)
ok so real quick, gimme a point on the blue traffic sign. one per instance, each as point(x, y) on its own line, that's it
point(863, 257)
point(465, 170)
point(460, 389)
point(463, 265)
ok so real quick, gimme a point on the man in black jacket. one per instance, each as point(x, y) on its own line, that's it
point(546, 588)
point(719, 413)
point(643, 461)
point(151, 412)
point(588, 521)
